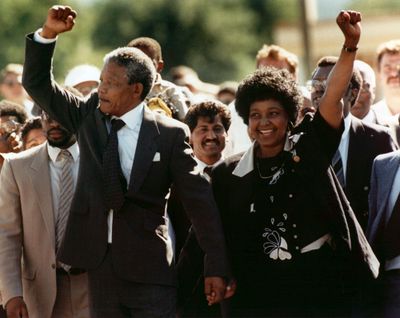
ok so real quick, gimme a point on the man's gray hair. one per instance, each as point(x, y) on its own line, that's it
point(139, 67)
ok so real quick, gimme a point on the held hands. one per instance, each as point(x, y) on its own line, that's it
point(59, 19)
point(349, 23)
point(216, 289)
point(16, 308)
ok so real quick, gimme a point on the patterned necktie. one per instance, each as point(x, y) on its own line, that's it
point(66, 194)
point(338, 168)
point(391, 233)
point(113, 180)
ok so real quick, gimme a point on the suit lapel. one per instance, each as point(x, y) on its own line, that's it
point(39, 173)
point(101, 119)
point(385, 187)
point(145, 150)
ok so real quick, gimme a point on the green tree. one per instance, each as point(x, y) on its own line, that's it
point(219, 39)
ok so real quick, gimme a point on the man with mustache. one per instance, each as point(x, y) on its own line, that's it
point(35, 196)
point(388, 61)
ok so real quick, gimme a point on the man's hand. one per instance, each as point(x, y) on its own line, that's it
point(16, 308)
point(59, 19)
point(214, 288)
point(349, 23)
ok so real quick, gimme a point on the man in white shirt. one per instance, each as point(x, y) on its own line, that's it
point(36, 188)
point(388, 61)
point(360, 144)
point(208, 122)
point(130, 156)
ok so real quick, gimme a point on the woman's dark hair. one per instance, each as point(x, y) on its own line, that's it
point(268, 83)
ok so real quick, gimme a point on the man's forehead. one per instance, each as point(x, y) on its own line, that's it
point(322, 72)
point(203, 120)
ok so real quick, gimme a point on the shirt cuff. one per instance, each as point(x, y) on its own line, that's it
point(38, 38)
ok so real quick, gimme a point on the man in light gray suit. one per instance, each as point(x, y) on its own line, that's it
point(383, 232)
point(34, 199)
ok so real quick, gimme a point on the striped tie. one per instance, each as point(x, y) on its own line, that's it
point(66, 194)
point(338, 168)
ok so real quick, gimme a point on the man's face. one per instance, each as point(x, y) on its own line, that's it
point(318, 88)
point(11, 88)
point(389, 72)
point(365, 98)
point(115, 94)
point(57, 136)
point(208, 139)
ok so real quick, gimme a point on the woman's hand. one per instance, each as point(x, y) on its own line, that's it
point(349, 23)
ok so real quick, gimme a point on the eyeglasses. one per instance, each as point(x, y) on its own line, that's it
point(316, 85)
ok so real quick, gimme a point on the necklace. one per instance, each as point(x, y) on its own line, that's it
point(275, 170)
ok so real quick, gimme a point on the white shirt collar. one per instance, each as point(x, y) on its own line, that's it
point(201, 164)
point(133, 117)
point(54, 151)
point(246, 163)
point(347, 124)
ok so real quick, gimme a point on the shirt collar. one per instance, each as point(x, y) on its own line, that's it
point(54, 151)
point(201, 164)
point(133, 117)
point(347, 124)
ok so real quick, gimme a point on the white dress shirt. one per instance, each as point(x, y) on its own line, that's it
point(56, 171)
point(127, 143)
point(344, 143)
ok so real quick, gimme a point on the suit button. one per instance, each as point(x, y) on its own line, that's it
point(366, 188)
point(53, 266)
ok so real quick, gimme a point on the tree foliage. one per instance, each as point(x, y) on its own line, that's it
point(219, 39)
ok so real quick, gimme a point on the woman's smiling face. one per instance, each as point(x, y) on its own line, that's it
point(268, 123)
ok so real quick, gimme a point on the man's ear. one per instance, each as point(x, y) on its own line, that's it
point(137, 89)
point(160, 66)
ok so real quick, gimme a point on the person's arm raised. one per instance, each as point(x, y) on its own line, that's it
point(331, 107)
point(59, 19)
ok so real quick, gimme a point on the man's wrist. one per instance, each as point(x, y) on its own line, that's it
point(349, 48)
point(48, 33)
point(37, 37)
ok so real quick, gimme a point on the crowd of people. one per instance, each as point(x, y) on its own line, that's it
point(123, 194)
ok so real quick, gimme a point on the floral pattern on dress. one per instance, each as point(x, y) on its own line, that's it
point(275, 245)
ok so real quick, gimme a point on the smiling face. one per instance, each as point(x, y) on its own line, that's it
point(208, 139)
point(268, 124)
point(116, 95)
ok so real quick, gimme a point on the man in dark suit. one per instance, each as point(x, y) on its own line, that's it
point(383, 234)
point(117, 228)
point(360, 143)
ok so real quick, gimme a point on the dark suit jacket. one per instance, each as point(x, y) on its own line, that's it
point(141, 251)
point(366, 141)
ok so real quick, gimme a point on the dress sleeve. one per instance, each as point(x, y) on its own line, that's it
point(327, 137)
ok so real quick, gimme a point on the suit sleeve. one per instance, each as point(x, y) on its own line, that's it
point(10, 235)
point(372, 201)
point(198, 201)
point(38, 80)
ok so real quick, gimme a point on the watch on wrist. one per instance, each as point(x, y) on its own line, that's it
point(350, 49)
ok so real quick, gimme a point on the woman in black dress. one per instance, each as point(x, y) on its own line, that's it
point(287, 226)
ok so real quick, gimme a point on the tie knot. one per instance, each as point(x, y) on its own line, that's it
point(207, 170)
point(64, 155)
point(117, 124)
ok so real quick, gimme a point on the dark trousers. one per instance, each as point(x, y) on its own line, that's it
point(111, 296)
point(390, 287)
